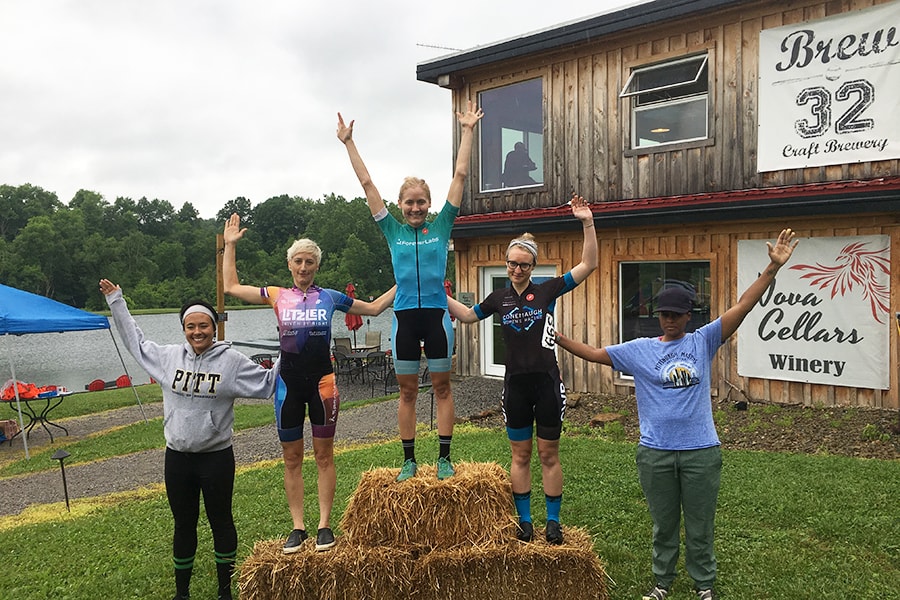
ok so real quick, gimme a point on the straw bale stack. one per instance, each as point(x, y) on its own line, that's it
point(514, 570)
point(425, 539)
point(473, 507)
point(343, 573)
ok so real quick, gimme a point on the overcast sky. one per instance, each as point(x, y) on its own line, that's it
point(202, 101)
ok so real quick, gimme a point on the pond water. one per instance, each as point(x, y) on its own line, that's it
point(74, 359)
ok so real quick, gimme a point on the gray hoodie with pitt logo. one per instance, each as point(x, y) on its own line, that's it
point(198, 389)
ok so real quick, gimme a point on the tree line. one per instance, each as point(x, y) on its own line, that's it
point(162, 256)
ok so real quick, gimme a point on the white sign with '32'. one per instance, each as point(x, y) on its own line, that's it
point(829, 90)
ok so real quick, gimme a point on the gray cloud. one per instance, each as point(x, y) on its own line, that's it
point(201, 101)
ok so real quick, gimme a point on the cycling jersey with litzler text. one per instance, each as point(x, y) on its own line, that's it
point(304, 321)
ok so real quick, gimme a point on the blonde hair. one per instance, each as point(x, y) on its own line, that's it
point(411, 182)
point(305, 245)
point(525, 242)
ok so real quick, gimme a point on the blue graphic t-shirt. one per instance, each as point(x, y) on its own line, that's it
point(419, 258)
point(672, 387)
point(304, 322)
point(527, 323)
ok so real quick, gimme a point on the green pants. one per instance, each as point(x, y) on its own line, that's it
point(676, 482)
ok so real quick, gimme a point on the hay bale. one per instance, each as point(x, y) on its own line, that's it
point(425, 539)
point(472, 508)
point(345, 572)
point(504, 571)
point(514, 570)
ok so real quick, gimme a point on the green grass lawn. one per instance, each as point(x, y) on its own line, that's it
point(131, 438)
point(789, 526)
point(144, 435)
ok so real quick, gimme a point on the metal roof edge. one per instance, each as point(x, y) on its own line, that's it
point(572, 32)
point(847, 197)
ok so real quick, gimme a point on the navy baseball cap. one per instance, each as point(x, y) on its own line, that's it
point(675, 299)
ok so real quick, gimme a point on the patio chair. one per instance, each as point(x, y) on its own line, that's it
point(387, 382)
point(343, 343)
point(96, 385)
point(373, 339)
point(344, 366)
point(375, 365)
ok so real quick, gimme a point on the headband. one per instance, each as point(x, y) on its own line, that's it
point(528, 245)
point(198, 308)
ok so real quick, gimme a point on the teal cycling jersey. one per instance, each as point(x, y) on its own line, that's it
point(419, 258)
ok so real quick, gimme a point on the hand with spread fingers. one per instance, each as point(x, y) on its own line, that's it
point(581, 210)
point(469, 118)
point(784, 246)
point(107, 287)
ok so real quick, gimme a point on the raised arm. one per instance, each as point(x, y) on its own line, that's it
point(232, 234)
point(588, 263)
point(467, 121)
point(145, 352)
point(345, 134)
point(376, 306)
point(778, 255)
point(460, 311)
point(582, 350)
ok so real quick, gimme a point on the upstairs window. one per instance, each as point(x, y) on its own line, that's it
point(512, 136)
point(670, 102)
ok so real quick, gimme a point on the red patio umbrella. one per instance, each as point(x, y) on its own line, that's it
point(353, 322)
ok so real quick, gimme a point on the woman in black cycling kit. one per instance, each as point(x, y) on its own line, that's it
point(533, 391)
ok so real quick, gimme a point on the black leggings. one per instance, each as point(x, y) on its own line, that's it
point(188, 474)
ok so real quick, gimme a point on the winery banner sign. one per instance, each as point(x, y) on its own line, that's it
point(826, 317)
point(828, 90)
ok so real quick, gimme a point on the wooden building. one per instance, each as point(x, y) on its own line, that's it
point(699, 129)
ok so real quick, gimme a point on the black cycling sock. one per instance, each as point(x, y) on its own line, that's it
point(184, 567)
point(444, 441)
point(523, 505)
point(224, 571)
point(409, 449)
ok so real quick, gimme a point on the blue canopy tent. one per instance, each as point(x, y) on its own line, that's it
point(22, 313)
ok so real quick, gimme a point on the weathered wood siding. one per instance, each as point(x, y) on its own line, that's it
point(587, 129)
point(590, 312)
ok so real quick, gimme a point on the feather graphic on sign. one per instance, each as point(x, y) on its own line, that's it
point(855, 266)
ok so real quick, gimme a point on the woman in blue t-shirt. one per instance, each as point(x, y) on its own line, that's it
point(419, 257)
point(678, 456)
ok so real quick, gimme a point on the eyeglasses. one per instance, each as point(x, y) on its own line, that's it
point(513, 265)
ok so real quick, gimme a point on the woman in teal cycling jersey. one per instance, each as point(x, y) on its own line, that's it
point(419, 256)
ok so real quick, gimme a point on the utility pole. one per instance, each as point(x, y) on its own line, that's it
point(220, 287)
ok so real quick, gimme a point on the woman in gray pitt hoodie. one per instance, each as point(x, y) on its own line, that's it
point(200, 380)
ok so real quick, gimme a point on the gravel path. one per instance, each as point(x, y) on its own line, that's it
point(375, 422)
